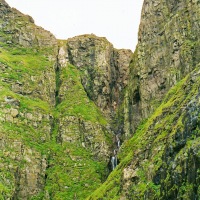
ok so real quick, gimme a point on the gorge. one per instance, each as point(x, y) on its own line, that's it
point(80, 119)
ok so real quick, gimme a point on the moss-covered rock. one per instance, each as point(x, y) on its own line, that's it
point(62, 100)
point(167, 50)
point(161, 160)
point(55, 141)
point(104, 70)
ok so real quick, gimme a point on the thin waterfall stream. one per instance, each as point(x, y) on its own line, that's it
point(114, 160)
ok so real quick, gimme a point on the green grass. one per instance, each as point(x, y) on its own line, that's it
point(72, 170)
point(24, 60)
point(26, 103)
point(157, 129)
point(75, 100)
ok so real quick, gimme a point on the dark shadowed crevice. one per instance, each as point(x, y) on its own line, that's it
point(54, 137)
point(58, 82)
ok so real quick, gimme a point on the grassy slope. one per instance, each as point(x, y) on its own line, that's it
point(155, 134)
point(72, 170)
point(76, 102)
point(19, 61)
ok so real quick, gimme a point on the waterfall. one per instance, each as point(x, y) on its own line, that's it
point(118, 141)
point(114, 160)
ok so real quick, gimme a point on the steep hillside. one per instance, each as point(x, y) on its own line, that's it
point(65, 105)
point(27, 83)
point(55, 137)
point(162, 159)
point(168, 49)
point(104, 69)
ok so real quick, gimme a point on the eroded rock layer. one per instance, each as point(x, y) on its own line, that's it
point(55, 130)
point(168, 49)
point(63, 101)
point(161, 108)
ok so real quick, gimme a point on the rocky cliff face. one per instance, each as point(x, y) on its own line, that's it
point(27, 85)
point(101, 76)
point(104, 70)
point(62, 101)
point(20, 28)
point(55, 138)
point(36, 55)
point(161, 159)
point(168, 49)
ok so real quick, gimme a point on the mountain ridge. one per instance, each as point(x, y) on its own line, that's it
point(67, 105)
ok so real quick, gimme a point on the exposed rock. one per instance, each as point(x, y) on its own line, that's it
point(21, 29)
point(23, 167)
point(14, 112)
point(90, 135)
point(161, 161)
point(30, 176)
point(104, 69)
point(35, 87)
point(168, 49)
point(61, 102)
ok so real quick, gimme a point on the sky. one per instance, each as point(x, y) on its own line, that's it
point(117, 20)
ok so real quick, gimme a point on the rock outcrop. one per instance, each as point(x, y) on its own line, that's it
point(78, 118)
point(161, 160)
point(35, 58)
point(104, 69)
point(20, 29)
point(27, 84)
point(54, 136)
point(161, 108)
point(63, 101)
point(168, 49)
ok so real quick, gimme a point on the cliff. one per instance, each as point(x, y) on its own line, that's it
point(161, 108)
point(161, 160)
point(64, 103)
point(167, 50)
point(55, 135)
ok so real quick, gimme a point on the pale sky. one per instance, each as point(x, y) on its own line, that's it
point(117, 20)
